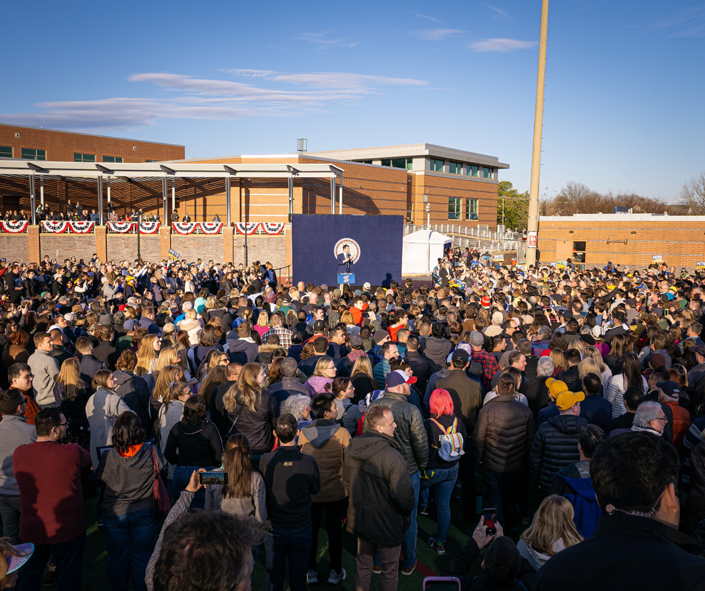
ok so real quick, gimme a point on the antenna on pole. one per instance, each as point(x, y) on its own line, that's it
point(301, 145)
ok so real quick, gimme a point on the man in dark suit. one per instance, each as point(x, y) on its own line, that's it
point(345, 260)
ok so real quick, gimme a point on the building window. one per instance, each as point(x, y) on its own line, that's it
point(5, 151)
point(151, 160)
point(112, 158)
point(454, 208)
point(32, 154)
point(437, 165)
point(83, 157)
point(579, 255)
point(455, 168)
point(365, 161)
point(406, 163)
point(473, 170)
point(471, 209)
point(487, 172)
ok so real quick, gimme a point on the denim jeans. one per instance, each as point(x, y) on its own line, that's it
point(502, 490)
point(408, 546)
point(69, 565)
point(182, 476)
point(130, 541)
point(294, 545)
point(442, 483)
point(10, 517)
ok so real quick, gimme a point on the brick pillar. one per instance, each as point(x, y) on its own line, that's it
point(228, 242)
point(35, 251)
point(165, 240)
point(101, 242)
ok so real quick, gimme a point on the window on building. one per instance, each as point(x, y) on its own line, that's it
point(386, 162)
point(406, 163)
point(487, 172)
point(83, 157)
point(365, 161)
point(112, 158)
point(579, 255)
point(455, 168)
point(5, 151)
point(437, 165)
point(33, 154)
point(454, 208)
point(151, 160)
point(473, 170)
point(471, 209)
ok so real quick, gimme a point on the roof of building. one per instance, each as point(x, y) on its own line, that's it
point(125, 139)
point(409, 151)
point(621, 217)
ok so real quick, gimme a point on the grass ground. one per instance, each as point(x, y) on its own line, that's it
point(430, 562)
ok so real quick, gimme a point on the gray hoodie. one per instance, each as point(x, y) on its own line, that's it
point(44, 369)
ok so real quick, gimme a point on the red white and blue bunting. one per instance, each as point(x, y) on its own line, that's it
point(61, 227)
point(81, 227)
point(272, 229)
point(211, 227)
point(251, 228)
point(149, 227)
point(121, 227)
point(184, 227)
point(55, 227)
point(14, 227)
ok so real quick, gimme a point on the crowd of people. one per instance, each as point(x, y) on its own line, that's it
point(218, 415)
point(75, 212)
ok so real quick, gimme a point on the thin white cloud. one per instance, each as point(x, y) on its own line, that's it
point(430, 18)
point(323, 40)
point(437, 34)
point(501, 45)
point(200, 98)
point(689, 22)
point(501, 12)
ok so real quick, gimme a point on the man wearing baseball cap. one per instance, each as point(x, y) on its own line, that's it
point(556, 441)
point(411, 436)
point(669, 395)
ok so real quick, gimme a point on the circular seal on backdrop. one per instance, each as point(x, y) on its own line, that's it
point(354, 248)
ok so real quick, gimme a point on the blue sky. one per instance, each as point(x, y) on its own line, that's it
point(624, 87)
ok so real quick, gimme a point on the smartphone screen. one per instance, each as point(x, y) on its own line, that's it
point(213, 477)
point(441, 584)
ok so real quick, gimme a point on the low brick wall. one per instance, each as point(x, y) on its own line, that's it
point(14, 247)
point(123, 247)
point(64, 246)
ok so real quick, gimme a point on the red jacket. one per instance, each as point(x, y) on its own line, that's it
point(357, 314)
point(681, 424)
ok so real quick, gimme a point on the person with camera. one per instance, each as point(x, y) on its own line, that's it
point(130, 523)
point(502, 566)
point(48, 475)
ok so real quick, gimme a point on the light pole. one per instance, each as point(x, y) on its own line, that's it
point(533, 221)
point(139, 221)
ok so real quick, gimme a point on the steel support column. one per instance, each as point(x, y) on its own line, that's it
point(33, 199)
point(332, 195)
point(101, 222)
point(227, 200)
point(291, 197)
point(173, 194)
point(41, 191)
point(340, 209)
point(165, 219)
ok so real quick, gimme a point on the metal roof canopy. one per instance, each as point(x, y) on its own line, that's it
point(166, 169)
point(103, 171)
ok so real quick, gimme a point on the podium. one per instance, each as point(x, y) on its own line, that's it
point(346, 279)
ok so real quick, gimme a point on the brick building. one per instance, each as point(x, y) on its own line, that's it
point(591, 240)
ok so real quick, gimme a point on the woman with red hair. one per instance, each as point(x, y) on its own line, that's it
point(446, 437)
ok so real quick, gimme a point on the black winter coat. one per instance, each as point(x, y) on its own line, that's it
point(626, 553)
point(421, 367)
point(466, 394)
point(381, 493)
point(503, 434)
point(555, 446)
point(410, 433)
point(536, 393)
point(257, 426)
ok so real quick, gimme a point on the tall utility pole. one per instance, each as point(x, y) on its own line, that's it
point(533, 222)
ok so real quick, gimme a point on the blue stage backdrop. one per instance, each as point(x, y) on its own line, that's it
point(374, 242)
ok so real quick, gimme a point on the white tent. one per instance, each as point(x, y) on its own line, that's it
point(422, 250)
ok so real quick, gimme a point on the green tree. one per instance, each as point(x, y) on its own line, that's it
point(512, 206)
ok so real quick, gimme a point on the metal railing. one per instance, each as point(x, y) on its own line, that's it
point(479, 237)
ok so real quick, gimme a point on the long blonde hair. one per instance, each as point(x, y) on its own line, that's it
point(553, 521)
point(146, 357)
point(263, 319)
point(167, 377)
point(592, 352)
point(246, 391)
point(212, 360)
point(559, 361)
point(362, 365)
point(167, 357)
point(70, 378)
point(589, 365)
point(183, 358)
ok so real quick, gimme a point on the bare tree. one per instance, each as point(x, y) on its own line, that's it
point(693, 194)
point(578, 198)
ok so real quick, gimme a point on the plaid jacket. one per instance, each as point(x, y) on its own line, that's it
point(284, 335)
point(489, 367)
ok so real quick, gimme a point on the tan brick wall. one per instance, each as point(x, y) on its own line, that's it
point(65, 246)
point(680, 243)
point(61, 145)
point(123, 247)
point(15, 247)
point(194, 246)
